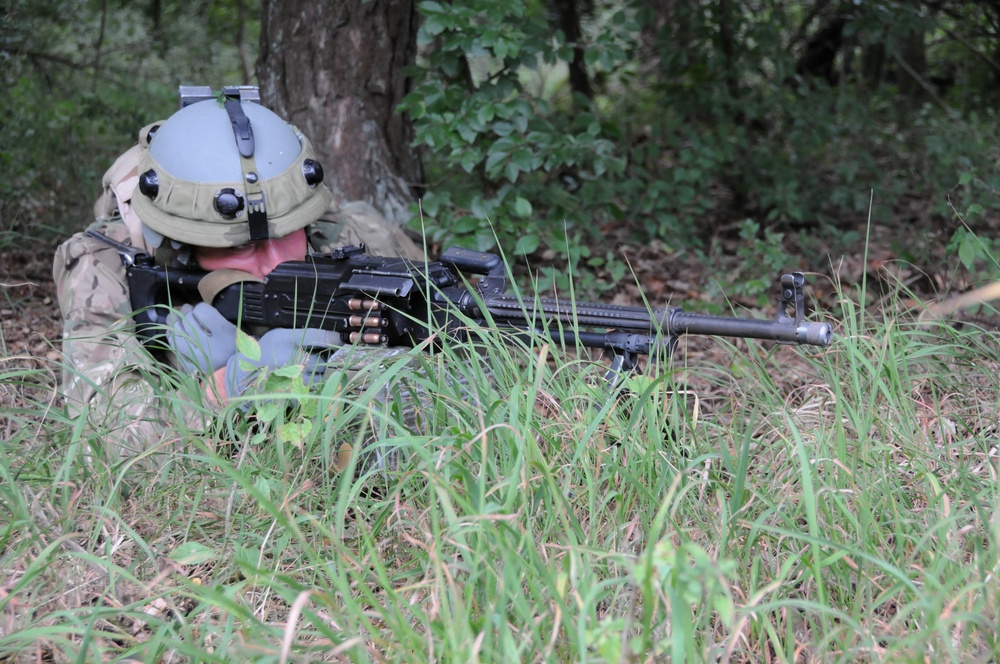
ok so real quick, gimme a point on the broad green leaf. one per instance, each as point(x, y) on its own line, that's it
point(494, 161)
point(967, 251)
point(522, 207)
point(485, 113)
point(503, 128)
point(295, 433)
point(523, 158)
point(247, 346)
point(263, 486)
point(467, 132)
point(431, 27)
point(269, 410)
point(510, 171)
point(465, 224)
point(288, 371)
point(469, 160)
point(192, 553)
point(246, 557)
point(526, 244)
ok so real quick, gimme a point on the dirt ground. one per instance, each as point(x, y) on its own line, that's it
point(29, 313)
point(30, 329)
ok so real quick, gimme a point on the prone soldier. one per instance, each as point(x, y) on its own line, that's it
point(225, 186)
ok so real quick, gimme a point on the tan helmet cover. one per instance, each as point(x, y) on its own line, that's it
point(202, 144)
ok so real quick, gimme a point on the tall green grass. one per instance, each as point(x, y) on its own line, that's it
point(827, 505)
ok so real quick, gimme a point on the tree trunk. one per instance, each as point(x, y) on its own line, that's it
point(873, 66)
point(664, 27)
point(334, 69)
point(913, 66)
point(819, 58)
point(727, 46)
point(567, 19)
point(241, 43)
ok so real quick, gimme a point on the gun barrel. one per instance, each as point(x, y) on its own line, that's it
point(815, 334)
point(668, 322)
point(510, 309)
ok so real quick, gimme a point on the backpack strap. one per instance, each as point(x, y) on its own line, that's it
point(118, 184)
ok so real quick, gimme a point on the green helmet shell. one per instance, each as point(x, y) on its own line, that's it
point(195, 188)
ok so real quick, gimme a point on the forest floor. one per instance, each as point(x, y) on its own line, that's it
point(30, 323)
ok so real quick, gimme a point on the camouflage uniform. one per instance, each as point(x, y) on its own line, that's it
point(197, 179)
point(112, 380)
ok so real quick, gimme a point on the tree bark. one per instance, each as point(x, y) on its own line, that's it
point(241, 43)
point(912, 57)
point(873, 66)
point(334, 69)
point(663, 26)
point(818, 60)
point(567, 19)
point(727, 46)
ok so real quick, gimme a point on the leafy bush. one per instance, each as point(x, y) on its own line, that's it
point(79, 82)
point(674, 141)
point(513, 166)
point(958, 159)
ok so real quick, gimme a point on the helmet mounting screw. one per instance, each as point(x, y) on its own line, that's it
point(312, 171)
point(149, 184)
point(229, 203)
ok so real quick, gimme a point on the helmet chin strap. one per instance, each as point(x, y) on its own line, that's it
point(256, 205)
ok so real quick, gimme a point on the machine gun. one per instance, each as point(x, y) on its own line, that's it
point(396, 302)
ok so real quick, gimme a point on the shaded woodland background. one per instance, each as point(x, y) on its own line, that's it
point(769, 132)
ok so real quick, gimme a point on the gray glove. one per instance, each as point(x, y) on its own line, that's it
point(280, 348)
point(201, 338)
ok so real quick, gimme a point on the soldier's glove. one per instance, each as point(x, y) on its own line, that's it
point(201, 338)
point(281, 348)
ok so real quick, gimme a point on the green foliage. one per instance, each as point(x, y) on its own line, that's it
point(80, 79)
point(677, 139)
point(976, 253)
point(586, 272)
point(514, 166)
point(764, 257)
point(958, 159)
point(701, 120)
point(672, 183)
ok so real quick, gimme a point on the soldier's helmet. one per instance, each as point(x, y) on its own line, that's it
point(222, 175)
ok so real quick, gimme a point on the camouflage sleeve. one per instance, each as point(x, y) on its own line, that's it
point(108, 376)
point(359, 223)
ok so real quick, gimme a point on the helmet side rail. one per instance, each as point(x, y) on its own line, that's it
point(396, 302)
